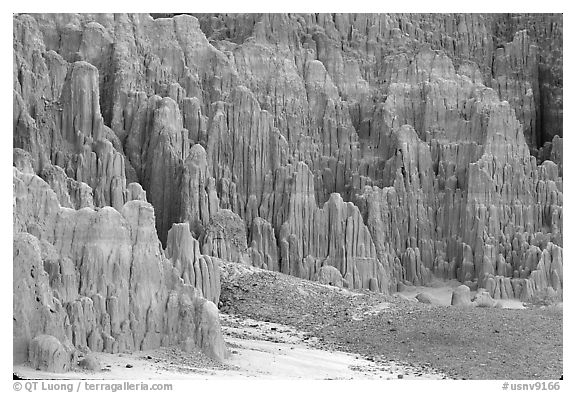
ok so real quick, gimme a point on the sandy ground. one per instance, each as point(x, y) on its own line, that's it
point(262, 350)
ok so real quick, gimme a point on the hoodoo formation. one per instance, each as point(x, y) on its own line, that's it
point(365, 151)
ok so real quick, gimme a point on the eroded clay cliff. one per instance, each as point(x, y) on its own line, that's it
point(366, 150)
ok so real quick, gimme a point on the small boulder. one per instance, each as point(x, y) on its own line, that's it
point(424, 298)
point(90, 362)
point(47, 353)
point(329, 275)
point(461, 296)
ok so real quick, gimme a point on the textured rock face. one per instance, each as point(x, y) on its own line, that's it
point(333, 235)
point(99, 280)
point(200, 271)
point(545, 31)
point(225, 237)
point(36, 310)
point(392, 148)
point(48, 354)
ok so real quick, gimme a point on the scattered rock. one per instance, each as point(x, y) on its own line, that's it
point(90, 362)
point(483, 299)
